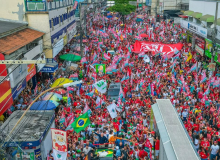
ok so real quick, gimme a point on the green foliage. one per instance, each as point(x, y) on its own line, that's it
point(123, 9)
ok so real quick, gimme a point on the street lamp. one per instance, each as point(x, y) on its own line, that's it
point(62, 86)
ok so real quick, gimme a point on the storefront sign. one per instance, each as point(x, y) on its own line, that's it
point(6, 99)
point(58, 47)
point(71, 31)
point(3, 68)
point(17, 74)
point(31, 71)
point(208, 50)
point(37, 153)
point(50, 68)
point(40, 66)
point(194, 28)
point(18, 89)
point(199, 45)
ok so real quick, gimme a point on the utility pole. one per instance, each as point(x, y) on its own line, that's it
point(214, 34)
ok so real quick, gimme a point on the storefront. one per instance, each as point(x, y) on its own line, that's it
point(189, 37)
point(208, 51)
point(49, 70)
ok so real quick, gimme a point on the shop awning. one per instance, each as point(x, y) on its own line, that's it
point(197, 15)
point(218, 22)
point(188, 13)
point(183, 16)
point(207, 18)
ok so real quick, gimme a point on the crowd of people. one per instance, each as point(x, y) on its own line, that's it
point(193, 92)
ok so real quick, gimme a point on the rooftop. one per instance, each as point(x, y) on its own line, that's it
point(31, 127)
point(9, 25)
point(14, 41)
point(175, 139)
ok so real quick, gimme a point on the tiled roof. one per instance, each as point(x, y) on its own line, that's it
point(13, 42)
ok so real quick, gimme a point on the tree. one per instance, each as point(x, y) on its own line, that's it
point(122, 9)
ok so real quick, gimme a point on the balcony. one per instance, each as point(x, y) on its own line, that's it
point(37, 6)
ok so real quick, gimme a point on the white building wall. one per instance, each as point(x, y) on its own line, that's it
point(204, 7)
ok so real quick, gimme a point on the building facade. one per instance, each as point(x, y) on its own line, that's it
point(199, 24)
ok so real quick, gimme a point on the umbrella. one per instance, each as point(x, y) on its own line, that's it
point(44, 105)
point(110, 16)
point(70, 57)
point(60, 91)
point(144, 35)
point(61, 81)
point(139, 20)
point(75, 53)
point(52, 96)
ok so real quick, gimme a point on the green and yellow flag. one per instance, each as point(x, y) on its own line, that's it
point(81, 122)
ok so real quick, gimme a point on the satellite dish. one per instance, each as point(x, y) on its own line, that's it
point(212, 26)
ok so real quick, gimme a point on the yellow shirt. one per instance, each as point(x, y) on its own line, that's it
point(2, 118)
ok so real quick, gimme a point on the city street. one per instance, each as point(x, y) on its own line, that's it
point(92, 94)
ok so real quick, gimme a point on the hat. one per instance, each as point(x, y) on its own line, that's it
point(78, 151)
point(117, 147)
point(152, 132)
point(74, 156)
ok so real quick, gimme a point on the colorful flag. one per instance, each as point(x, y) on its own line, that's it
point(58, 155)
point(101, 86)
point(112, 110)
point(193, 68)
point(81, 123)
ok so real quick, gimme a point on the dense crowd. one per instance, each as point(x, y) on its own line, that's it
point(193, 92)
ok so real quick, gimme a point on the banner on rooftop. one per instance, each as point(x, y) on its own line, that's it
point(155, 48)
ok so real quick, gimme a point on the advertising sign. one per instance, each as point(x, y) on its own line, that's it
point(59, 139)
point(37, 153)
point(75, 5)
point(3, 68)
point(199, 45)
point(31, 71)
point(71, 31)
point(6, 99)
point(208, 50)
point(194, 28)
point(17, 74)
point(58, 47)
point(18, 89)
point(50, 68)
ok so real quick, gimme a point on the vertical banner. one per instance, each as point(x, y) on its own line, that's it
point(37, 153)
point(32, 156)
point(100, 69)
point(59, 140)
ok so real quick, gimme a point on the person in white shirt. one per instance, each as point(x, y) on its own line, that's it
point(87, 149)
point(214, 150)
point(184, 114)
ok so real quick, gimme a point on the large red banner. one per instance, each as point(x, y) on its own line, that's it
point(154, 47)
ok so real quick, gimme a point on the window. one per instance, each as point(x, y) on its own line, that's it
point(62, 19)
point(52, 24)
point(59, 21)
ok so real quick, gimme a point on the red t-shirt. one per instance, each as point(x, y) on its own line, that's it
point(157, 145)
point(142, 154)
point(203, 155)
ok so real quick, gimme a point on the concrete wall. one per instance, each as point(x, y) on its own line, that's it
point(12, 9)
point(40, 22)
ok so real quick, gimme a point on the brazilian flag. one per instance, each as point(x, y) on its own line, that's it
point(81, 122)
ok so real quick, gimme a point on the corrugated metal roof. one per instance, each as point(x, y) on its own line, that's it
point(175, 139)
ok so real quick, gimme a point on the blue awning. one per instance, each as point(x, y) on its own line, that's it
point(50, 67)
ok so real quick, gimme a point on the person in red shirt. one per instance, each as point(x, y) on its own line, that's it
point(157, 147)
point(142, 154)
point(203, 154)
point(205, 144)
